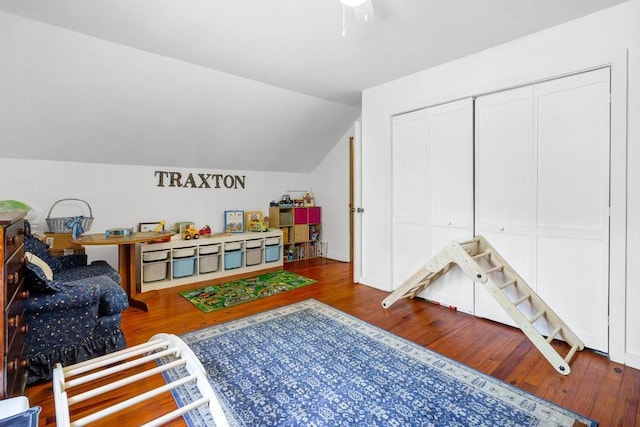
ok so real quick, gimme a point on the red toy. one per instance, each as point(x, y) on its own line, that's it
point(205, 231)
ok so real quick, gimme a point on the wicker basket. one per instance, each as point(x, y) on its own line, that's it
point(59, 225)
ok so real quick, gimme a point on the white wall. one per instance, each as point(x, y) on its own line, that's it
point(123, 196)
point(590, 41)
point(330, 183)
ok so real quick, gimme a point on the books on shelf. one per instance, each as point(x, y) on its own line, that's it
point(304, 250)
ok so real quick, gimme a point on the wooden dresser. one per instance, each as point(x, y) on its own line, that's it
point(12, 329)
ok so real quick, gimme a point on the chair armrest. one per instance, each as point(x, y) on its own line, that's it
point(78, 297)
point(113, 299)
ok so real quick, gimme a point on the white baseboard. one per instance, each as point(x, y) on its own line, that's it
point(337, 256)
point(632, 360)
point(375, 284)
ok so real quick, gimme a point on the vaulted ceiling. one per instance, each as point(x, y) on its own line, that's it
point(242, 84)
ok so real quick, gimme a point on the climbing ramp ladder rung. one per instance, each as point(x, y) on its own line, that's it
point(483, 264)
point(117, 370)
point(538, 315)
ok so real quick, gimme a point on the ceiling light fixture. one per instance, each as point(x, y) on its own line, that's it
point(362, 8)
point(353, 3)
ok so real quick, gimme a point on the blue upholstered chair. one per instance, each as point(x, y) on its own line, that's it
point(73, 312)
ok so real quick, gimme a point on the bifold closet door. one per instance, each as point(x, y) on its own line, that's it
point(433, 194)
point(504, 213)
point(450, 137)
point(411, 201)
point(572, 229)
point(542, 195)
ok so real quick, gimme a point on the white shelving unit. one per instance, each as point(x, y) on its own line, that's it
point(180, 262)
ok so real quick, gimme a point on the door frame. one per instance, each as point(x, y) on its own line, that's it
point(355, 201)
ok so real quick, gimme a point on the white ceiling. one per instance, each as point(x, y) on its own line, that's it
point(296, 47)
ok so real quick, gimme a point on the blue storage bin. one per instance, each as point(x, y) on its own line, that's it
point(272, 253)
point(232, 260)
point(184, 267)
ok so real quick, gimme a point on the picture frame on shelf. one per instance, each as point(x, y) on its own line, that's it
point(234, 221)
point(253, 221)
point(150, 226)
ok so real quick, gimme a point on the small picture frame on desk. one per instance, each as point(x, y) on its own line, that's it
point(234, 221)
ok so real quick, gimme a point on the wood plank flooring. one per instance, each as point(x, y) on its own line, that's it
point(600, 389)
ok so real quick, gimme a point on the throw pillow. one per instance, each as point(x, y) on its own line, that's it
point(36, 246)
point(33, 259)
point(36, 281)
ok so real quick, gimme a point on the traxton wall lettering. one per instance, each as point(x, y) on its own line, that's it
point(199, 180)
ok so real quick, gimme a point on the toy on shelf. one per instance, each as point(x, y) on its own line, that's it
point(314, 234)
point(258, 226)
point(115, 232)
point(308, 200)
point(286, 201)
point(190, 232)
point(205, 231)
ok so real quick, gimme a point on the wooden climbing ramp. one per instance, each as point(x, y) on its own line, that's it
point(483, 264)
point(78, 384)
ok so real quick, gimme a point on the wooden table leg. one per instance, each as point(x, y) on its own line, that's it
point(127, 270)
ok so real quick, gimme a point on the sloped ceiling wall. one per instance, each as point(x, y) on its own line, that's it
point(72, 97)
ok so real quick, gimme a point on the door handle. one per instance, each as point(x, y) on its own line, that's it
point(359, 210)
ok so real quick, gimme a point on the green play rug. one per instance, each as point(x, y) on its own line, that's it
point(216, 297)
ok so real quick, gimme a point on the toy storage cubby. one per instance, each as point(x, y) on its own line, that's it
point(301, 230)
point(180, 262)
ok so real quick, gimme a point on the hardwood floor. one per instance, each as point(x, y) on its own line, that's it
point(605, 391)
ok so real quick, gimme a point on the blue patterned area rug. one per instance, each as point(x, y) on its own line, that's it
point(310, 364)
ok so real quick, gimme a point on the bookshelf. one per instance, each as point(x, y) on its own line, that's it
point(301, 230)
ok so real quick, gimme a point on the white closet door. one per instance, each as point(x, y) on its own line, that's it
point(504, 186)
point(542, 195)
point(572, 229)
point(411, 241)
point(433, 194)
point(450, 138)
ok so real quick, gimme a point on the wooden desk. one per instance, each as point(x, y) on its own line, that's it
point(126, 258)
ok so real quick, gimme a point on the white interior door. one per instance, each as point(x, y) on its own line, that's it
point(542, 195)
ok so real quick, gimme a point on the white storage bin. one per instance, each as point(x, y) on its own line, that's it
point(209, 249)
point(155, 256)
point(271, 241)
point(254, 256)
point(209, 264)
point(233, 246)
point(255, 243)
point(154, 272)
point(184, 252)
